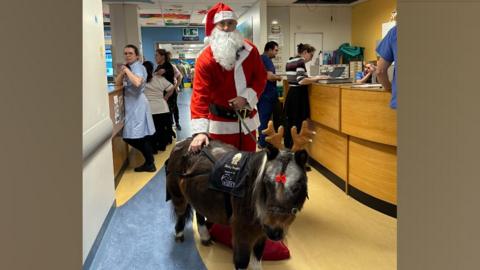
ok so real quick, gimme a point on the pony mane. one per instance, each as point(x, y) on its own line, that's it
point(258, 192)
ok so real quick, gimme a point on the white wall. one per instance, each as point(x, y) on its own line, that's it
point(317, 19)
point(98, 179)
point(310, 20)
point(124, 22)
point(258, 12)
point(282, 16)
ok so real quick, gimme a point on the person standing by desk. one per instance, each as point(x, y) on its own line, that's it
point(297, 106)
point(138, 118)
point(269, 97)
point(387, 49)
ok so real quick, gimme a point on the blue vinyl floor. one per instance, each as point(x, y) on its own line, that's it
point(140, 235)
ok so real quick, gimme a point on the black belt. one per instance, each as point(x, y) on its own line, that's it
point(227, 112)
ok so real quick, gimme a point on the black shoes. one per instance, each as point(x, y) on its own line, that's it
point(146, 168)
point(178, 127)
point(308, 168)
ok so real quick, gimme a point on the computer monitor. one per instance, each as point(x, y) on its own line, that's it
point(337, 72)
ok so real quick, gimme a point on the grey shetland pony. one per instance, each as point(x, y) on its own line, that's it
point(275, 191)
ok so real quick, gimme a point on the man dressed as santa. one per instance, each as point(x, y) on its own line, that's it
point(229, 76)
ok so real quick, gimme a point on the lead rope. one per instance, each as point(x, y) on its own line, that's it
point(241, 122)
point(239, 133)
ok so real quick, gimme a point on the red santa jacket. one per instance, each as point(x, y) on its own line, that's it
point(213, 84)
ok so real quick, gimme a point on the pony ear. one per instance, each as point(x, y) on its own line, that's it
point(272, 152)
point(301, 158)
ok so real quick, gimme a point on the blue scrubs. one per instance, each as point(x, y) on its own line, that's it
point(267, 101)
point(387, 49)
point(138, 118)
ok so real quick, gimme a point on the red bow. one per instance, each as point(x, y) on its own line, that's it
point(281, 178)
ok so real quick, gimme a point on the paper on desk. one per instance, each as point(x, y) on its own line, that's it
point(367, 85)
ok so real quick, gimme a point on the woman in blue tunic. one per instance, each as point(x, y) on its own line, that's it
point(138, 118)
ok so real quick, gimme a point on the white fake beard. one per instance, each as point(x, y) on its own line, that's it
point(225, 46)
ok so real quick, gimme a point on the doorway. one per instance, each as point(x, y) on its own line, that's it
point(183, 57)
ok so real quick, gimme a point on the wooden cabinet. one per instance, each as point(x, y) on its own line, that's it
point(366, 115)
point(329, 148)
point(356, 140)
point(373, 169)
point(325, 105)
point(119, 147)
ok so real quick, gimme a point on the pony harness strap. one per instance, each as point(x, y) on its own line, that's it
point(230, 172)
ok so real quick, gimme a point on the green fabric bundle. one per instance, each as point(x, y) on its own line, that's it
point(350, 53)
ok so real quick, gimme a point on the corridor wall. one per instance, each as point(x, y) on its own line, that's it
point(98, 179)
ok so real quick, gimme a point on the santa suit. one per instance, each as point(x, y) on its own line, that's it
point(215, 85)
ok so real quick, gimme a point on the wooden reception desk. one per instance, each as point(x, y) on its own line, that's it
point(119, 147)
point(356, 142)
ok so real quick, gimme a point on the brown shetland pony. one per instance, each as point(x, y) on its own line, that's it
point(266, 210)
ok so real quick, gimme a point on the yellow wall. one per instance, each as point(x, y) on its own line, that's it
point(367, 19)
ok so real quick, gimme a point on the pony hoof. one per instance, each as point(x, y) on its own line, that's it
point(208, 242)
point(179, 239)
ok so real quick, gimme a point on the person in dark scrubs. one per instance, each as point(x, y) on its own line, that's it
point(269, 98)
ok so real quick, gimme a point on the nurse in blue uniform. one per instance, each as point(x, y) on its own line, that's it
point(138, 118)
point(387, 49)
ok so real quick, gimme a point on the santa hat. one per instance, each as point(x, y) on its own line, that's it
point(219, 12)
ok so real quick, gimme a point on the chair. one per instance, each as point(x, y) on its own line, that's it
point(286, 86)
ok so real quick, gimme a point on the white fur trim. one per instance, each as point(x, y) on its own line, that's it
point(220, 127)
point(239, 75)
point(199, 125)
point(251, 97)
point(224, 15)
point(240, 80)
point(203, 232)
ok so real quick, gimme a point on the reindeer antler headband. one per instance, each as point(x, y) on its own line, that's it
point(300, 141)
point(274, 138)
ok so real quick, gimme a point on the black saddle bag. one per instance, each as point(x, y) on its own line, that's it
point(230, 172)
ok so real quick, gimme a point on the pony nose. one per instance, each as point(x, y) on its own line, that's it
point(275, 234)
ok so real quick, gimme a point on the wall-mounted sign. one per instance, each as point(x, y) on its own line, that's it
point(275, 29)
point(190, 34)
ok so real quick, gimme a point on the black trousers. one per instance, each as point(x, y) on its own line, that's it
point(297, 109)
point(163, 131)
point(172, 105)
point(278, 117)
point(142, 145)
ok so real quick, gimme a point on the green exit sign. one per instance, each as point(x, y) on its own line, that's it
point(190, 32)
